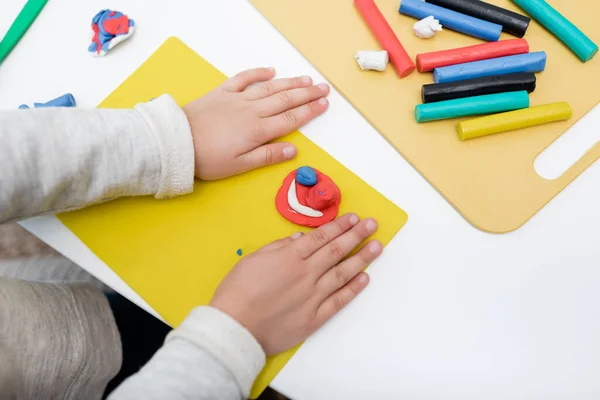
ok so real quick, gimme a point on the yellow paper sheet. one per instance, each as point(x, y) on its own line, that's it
point(174, 253)
point(491, 181)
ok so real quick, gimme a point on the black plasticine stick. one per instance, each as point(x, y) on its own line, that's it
point(513, 23)
point(478, 86)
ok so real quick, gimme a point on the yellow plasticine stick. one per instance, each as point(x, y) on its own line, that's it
point(512, 120)
point(174, 253)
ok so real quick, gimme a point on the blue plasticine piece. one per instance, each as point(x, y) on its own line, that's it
point(468, 106)
point(66, 100)
point(239, 252)
point(531, 62)
point(92, 48)
point(452, 20)
point(306, 176)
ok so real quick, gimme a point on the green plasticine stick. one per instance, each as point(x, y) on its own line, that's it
point(562, 28)
point(23, 21)
point(476, 105)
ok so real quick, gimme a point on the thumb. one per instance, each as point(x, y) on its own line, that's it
point(268, 154)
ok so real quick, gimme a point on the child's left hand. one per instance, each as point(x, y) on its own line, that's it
point(233, 125)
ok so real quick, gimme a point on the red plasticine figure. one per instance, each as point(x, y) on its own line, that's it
point(308, 198)
point(110, 28)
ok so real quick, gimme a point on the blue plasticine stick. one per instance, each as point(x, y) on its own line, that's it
point(562, 28)
point(476, 105)
point(66, 100)
point(531, 62)
point(452, 20)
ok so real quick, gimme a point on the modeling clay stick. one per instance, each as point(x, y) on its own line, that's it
point(512, 120)
point(477, 105)
point(478, 87)
point(452, 20)
point(531, 62)
point(386, 37)
point(513, 23)
point(66, 100)
point(429, 61)
point(22, 23)
point(568, 33)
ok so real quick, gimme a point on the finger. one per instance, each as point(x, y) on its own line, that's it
point(246, 78)
point(278, 244)
point(297, 235)
point(336, 250)
point(338, 276)
point(338, 300)
point(269, 88)
point(290, 120)
point(313, 241)
point(289, 99)
point(268, 154)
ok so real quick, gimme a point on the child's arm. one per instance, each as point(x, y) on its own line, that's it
point(59, 159)
point(271, 301)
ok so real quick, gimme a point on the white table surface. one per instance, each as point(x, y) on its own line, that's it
point(451, 312)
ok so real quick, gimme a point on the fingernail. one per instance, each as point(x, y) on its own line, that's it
point(322, 101)
point(271, 69)
point(374, 247)
point(289, 152)
point(363, 279)
point(297, 235)
point(354, 219)
point(323, 86)
point(371, 226)
point(306, 80)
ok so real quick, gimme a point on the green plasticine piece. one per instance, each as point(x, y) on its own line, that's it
point(18, 28)
point(561, 27)
point(476, 105)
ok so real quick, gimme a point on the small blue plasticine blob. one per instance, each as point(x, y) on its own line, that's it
point(66, 100)
point(239, 252)
point(306, 176)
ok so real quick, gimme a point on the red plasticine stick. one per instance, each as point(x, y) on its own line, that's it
point(429, 61)
point(386, 37)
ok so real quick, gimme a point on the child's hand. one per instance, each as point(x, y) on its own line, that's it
point(232, 125)
point(288, 289)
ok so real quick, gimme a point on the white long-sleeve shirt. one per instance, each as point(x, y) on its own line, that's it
point(61, 341)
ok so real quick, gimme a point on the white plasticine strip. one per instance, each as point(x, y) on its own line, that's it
point(299, 208)
point(427, 27)
point(372, 60)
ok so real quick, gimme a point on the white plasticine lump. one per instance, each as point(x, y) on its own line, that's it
point(300, 208)
point(427, 27)
point(372, 60)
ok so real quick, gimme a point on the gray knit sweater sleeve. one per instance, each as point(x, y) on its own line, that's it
point(60, 159)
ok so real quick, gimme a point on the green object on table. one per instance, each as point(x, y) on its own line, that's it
point(476, 105)
point(561, 27)
point(18, 28)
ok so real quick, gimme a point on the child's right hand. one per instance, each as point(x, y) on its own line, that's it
point(288, 289)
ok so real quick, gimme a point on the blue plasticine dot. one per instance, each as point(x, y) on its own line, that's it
point(306, 176)
point(320, 193)
point(239, 252)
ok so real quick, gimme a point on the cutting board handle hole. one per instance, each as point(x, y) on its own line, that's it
point(561, 155)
